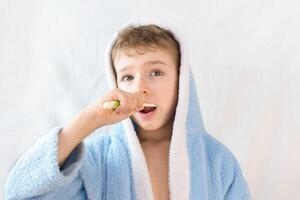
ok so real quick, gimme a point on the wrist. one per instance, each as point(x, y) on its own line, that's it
point(93, 118)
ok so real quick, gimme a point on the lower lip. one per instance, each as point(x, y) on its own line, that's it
point(146, 116)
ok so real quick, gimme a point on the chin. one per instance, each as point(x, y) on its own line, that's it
point(146, 126)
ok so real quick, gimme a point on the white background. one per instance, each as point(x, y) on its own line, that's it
point(245, 55)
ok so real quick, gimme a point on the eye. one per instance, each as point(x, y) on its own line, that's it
point(126, 78)
point(156, 73)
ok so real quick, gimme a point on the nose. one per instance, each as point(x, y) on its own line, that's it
point(142, 88)
point(144, 92)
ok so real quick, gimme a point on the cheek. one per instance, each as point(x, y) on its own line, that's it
point(173, 83)
point(125, 87)
point(122, 87)
point(168, 90)
point(174, 90)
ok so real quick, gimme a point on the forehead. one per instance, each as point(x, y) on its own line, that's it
point(142, 56)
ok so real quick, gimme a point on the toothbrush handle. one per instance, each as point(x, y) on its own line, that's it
point(111, 104)
point(116, 103)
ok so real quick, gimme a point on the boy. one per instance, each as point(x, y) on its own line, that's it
point(157, 152)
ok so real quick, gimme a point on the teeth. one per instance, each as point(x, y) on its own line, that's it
point(149, 105)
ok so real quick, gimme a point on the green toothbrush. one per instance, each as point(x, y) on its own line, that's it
point(116, 103)
point(111, 104)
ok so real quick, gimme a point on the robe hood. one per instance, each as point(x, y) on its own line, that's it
point(187, 122)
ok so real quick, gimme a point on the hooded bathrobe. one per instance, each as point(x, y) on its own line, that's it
point(112, 165)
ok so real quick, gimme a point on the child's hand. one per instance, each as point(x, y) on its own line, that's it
point(129, 104)
point(95, 116)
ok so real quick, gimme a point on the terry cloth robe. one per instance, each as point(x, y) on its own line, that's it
point(112, 165)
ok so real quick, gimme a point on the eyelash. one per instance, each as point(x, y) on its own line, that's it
point(122, 79)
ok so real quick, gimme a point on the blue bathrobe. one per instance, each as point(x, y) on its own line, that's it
point(112, 165)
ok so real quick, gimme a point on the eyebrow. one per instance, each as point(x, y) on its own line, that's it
point(147, 63)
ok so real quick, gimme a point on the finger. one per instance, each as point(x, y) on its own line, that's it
point(141, 101)
point(123, 103)
point(132, 113)
point(137, 102)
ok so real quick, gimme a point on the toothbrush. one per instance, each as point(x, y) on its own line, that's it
point(116, 103)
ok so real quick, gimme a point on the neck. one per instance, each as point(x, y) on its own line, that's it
point(164, 133)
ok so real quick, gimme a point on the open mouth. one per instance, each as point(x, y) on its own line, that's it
point(148, 109)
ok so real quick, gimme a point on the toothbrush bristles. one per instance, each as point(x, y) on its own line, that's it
point(149, 105)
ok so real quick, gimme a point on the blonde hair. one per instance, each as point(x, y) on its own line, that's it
point(148, 37)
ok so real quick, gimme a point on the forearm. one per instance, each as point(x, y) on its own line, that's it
point(73, 133)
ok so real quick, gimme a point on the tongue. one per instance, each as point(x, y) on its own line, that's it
point(147, 109)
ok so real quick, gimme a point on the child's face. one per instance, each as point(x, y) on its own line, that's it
point(155, 72)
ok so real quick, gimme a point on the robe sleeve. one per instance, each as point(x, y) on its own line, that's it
point(238, 189)
point(37, 175)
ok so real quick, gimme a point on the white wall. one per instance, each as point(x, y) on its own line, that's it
point(245, 54)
